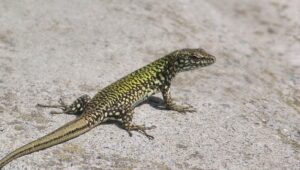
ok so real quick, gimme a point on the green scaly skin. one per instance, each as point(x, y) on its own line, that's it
point(118, 100)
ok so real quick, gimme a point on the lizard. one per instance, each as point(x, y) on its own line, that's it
point(118, 100)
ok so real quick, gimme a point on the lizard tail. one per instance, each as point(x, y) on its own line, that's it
point(62, 134)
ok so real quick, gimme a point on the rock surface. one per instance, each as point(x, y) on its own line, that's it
point(248, 103)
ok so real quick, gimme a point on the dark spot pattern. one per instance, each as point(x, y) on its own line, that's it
point(117, 99)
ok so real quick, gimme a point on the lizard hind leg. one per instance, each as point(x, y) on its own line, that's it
point(129, 126)
point(76, 108)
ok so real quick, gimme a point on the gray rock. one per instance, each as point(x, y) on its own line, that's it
point(248, 103)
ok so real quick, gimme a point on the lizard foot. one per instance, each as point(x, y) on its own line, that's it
point(181, 109)
point(139, 128)
point(61, 106)
point(76, 108)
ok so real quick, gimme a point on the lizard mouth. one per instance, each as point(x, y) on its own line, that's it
point(207, 61)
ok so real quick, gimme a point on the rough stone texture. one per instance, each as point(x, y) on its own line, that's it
point(248, 102)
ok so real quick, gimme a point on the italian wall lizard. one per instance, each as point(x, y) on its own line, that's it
point(118, 100)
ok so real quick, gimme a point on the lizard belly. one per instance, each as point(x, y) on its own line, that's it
point(144, 97)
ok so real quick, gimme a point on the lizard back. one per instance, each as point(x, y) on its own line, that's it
point(127, 92)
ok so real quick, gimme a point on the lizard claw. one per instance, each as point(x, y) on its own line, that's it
point(181, 109)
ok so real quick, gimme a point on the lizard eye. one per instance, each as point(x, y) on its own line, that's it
point(194, 57)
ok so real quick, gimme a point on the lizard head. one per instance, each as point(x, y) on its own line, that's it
point(189, 59)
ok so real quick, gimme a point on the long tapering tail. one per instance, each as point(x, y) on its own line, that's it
point(62, 134)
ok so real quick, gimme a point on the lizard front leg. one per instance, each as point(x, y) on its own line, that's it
point(171, 105)
point(76, 108)
point(129, 126)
